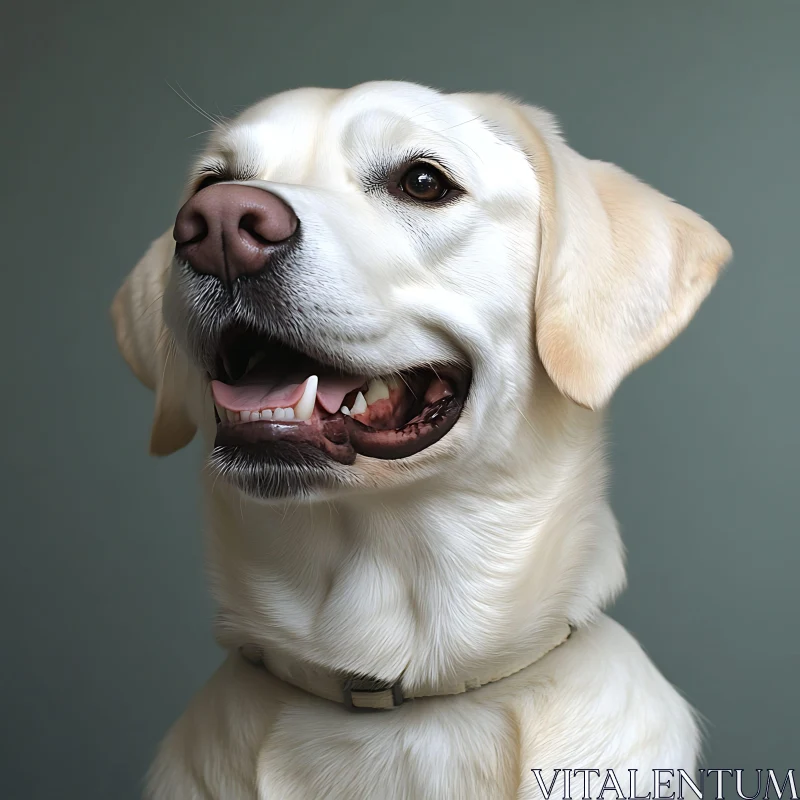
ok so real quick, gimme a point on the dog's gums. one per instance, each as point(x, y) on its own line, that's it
point(282, 395)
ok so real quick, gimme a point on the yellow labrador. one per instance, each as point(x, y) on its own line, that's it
point(395, 316)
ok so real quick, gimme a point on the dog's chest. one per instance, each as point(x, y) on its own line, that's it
point(445, 749)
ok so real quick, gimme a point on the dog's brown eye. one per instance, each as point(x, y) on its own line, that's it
point(425, 183)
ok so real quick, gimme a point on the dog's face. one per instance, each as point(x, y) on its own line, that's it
point(367, 287)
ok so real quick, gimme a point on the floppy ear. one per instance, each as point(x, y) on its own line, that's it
point(622, 268)
point(149, 348)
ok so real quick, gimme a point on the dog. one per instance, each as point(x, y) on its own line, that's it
point(395, 316)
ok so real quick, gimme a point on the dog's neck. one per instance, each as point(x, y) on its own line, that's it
point(438, 581)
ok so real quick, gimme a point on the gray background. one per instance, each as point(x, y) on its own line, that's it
point(106, 619)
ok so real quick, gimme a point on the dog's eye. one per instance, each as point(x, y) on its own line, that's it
point(209, 180)
point(425, 183)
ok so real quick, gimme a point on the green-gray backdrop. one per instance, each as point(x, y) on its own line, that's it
point(105, 616)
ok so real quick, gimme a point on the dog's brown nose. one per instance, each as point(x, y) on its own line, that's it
point(230, 230)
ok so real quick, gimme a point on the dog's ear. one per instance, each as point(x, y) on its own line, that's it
point(622, 268)
point(149, 348)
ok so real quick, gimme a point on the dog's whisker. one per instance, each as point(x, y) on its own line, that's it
point(201, 133)
point(151, 306)
point(459, 124)
point(181, 92)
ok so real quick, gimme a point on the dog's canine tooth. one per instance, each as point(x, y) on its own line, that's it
point(304, 407)
point(360, 405)
point(345, 410)
point(377, 389)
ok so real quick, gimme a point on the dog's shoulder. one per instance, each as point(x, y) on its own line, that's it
point(599, 702)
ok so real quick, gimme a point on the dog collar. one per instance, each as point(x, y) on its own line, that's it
point(364, 693)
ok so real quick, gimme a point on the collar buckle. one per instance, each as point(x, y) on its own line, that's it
point(369, 694)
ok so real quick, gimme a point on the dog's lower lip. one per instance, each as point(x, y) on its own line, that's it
point(418, 434)
point(327, 436)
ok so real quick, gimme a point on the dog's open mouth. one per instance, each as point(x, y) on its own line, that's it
point(267, 392)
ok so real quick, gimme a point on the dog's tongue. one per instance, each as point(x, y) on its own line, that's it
point(258, 390)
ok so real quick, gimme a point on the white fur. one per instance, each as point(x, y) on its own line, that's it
point(555, 276)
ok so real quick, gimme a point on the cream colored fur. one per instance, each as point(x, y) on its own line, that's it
point(556, 276)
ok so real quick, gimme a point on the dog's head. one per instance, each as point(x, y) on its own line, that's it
point(370, 286)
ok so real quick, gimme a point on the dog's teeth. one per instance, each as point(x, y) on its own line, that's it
point(377, 390)
point(360, 405)
point(345, 410)
point(302, 410)
point(304, 407)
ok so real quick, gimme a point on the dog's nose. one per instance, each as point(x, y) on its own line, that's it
point(229, 230)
